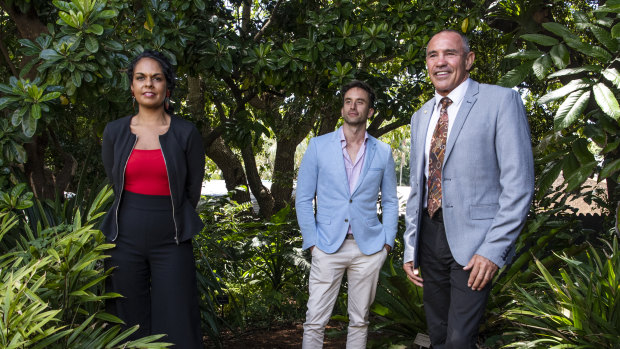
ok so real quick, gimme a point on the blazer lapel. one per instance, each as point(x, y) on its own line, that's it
point(422, 124)
point(468, 102)
point(369, 153)
point(339, 161)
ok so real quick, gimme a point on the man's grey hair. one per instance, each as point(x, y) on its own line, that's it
point(464, 38)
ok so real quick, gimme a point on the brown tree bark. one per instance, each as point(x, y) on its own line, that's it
point(261, 193)
point(215, 147)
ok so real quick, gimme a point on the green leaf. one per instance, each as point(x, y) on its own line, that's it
point(605, 38)
point(540, 39)
point(606, 100)
point(527, 54)
point(50, 55)
point(199, 4)
point(560, 56)
point(541, 66)
point(610, 74)
point(29, 125)
point(572, 107)
point(35, 111)
point(563, 91)
point(17, 116)
point(579, 175)
point(107, 14)
point(581, 151)
point(573, 71)
point(5, 101)
point(558, 29)
point(615, 31)
point(95, 28)
point(609, 169)
point(62, 5)
point(589, 50)
point(76, 78)
point(113, 45)
point(516, 75)
point(91, 44)
point(68, 19)
point(49, 96)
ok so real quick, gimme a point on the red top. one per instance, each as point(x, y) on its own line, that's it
point(146, 173)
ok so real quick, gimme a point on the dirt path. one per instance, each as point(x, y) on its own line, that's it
point(285, 337)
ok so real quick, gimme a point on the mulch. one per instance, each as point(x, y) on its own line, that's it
point(282, 337)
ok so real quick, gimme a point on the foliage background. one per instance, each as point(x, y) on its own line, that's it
point(259, 77)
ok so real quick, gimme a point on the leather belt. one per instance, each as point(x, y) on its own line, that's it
point(350, 237)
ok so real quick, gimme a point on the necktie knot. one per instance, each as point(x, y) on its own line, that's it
point(445, 103)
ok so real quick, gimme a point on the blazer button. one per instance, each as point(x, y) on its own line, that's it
point(346, 220)
point(351, 200)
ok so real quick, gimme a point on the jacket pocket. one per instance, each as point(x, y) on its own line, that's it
point(371, 222)
point(483, 211)
point(323, 219)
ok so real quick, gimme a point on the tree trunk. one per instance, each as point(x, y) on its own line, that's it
point(232, 169)
point(217, 150)
point(261, 193)
point(283, 173)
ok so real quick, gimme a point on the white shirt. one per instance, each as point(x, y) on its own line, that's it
point(457, 95)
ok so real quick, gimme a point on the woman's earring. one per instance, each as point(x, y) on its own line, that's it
point(133, 102)
point(167, 101)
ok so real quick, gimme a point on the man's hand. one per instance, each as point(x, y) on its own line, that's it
point(482, 271)
point(413, 274)
point(388, 248)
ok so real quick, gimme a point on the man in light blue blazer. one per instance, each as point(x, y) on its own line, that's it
point(478, 163)
point(344, 172)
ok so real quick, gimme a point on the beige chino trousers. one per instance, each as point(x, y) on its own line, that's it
point(324, 283)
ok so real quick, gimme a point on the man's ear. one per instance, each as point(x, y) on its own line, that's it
point(469, 60)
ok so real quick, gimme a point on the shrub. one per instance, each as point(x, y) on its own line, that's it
point(579, 308)
point(52, 285)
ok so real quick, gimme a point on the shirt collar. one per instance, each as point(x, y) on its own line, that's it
point(455, 95)
point(343, 141)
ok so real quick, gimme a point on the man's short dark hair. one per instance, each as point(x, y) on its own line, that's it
point(464, 38)
point(364, 86)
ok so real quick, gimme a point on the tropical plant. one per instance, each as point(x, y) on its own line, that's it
point(579, 62)
point(579, 308)
point(258, 264)
point(398, 305)
point(52, 286)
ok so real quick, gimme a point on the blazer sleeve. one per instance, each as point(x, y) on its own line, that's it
point(516, 178)
point(195, 157)
point(410, 236)
point(389, 200)
point(305, 194)
point(107, 152)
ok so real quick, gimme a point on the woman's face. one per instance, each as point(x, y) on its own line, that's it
point(149, 83)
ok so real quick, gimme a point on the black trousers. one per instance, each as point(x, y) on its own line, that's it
point(453, 310)
point(156, 277)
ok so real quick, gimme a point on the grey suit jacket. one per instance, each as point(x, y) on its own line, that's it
point(487, 177)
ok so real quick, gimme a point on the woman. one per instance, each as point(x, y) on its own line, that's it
point(155, 162)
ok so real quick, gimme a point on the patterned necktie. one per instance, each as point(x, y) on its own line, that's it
point(435, 157)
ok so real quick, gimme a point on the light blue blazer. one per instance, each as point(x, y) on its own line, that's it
point(322, 176)
point(487, 179)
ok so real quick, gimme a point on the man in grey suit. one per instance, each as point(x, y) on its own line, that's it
point(472, 182)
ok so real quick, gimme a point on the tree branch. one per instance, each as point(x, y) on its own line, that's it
point(378, 132)
point(7, 59)
point(261, 32)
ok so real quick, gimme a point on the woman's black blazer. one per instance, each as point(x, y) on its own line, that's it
point(185, 162)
